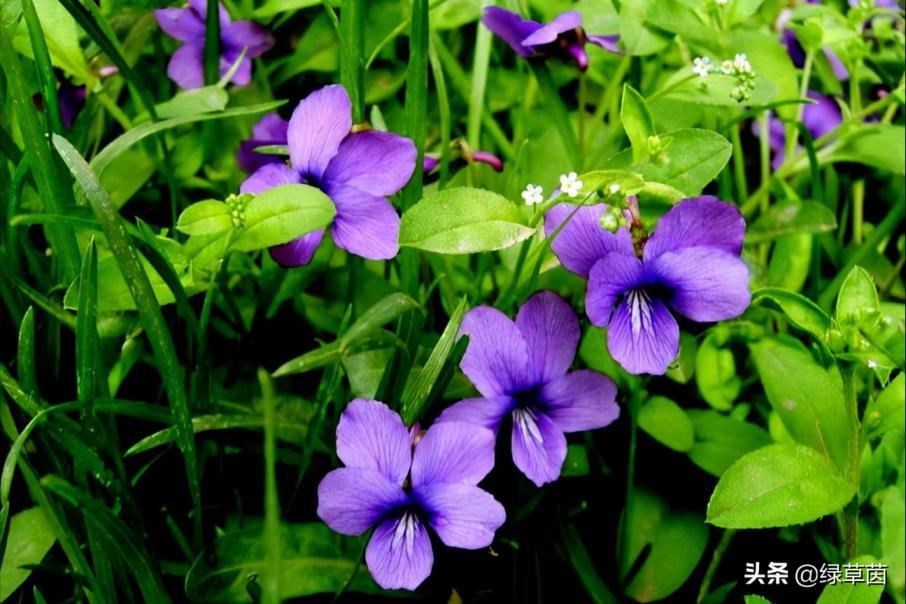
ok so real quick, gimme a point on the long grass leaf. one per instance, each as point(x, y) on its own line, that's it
point(45, 67)
point(149, 314)
point(271, 580)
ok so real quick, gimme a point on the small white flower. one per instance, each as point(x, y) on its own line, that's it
point(702, 66)
point(722, 2)
point(872, 364)
point(614, 188)
point(533, 194)
point(741, 64)
point(570, 184)
point(727, 67)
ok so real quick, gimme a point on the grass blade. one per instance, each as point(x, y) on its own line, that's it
point(352, 51)
point(53, 191)
point(212, 43)
point(149, 312)
point(45, 67)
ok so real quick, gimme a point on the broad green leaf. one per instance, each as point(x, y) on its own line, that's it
point(205, 218)
point(808, 398)
point(791, 217)
point(313, 560)
point(886, 411)
point(365, 370)
point(576, 462)
point(791, 258)
point(667, 423)
point(849, 593)
point(715, 90)
point(29, 539)
point(879, 146)
point(771, 61)
point(62, 36)
point(462, 220)
point(893, 535)
point(721, 440)
point(756, 599)
point(683, 367)
point(282, 214)
point(637, 35)
point(799, 310)
point(858, 298)
point(778, 485)
point(715, 371)
point(693, 158)
point(637, 122)
point(677, 541)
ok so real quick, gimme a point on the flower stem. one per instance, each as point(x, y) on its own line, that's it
point(352, 50)
point(722, 546)
point(212, 43)
point(479, 81)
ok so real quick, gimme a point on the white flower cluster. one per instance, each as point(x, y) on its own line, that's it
point(702, 66)
point(533, 194)
point(570, 185)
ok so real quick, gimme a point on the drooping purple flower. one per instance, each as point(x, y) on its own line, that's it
point(270, 130)
point(521, 369)
point(400, 491)
point(187, 25)
point(530, 39)
point(72, 100)
point(819, 118)
point(356, 170)
point(482, 157)
point(690, 265)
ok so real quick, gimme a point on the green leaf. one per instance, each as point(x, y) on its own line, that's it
point(29, 539)
point(313, 560)
point(382, 312)
point(715, 371)
point(693, 159)
point(755, 599)
point(893, 534)
point(205, 218)
point(677, 541)
point(853, 593)
point(62, 36)
point(462, 220)
point(778, 485)
point(667, 423)
point(282, 214)
point(417, 392)
point(637, 122)
point(879, 146)
point(808, 398)
point(791, 217)
point(194, 102)
point(311, 360)
point(858, 298)
point(886, 411)
point(585, 567)
point(721, 440)
point(799, 310)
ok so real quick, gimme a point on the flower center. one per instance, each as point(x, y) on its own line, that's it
point(526, 420)
point(639, 310)
point(404, 533)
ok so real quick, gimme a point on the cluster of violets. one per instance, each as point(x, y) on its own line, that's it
point(402, 481)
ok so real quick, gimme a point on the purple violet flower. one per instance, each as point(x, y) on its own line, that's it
point(270, 130)
point(690, 264)
point(819, 118)
point(187, 25)
point(530, 39)
point(521, 370)
point(400, 488)
point(356, 170)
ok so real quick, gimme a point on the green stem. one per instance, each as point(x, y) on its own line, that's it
point(858, 206)
point(352, 49)
point(479, 81)
point(739, 164)
point(212, 43)
point(722, 546)
point(792, 134)
point(271, 579)
point(668, 89)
